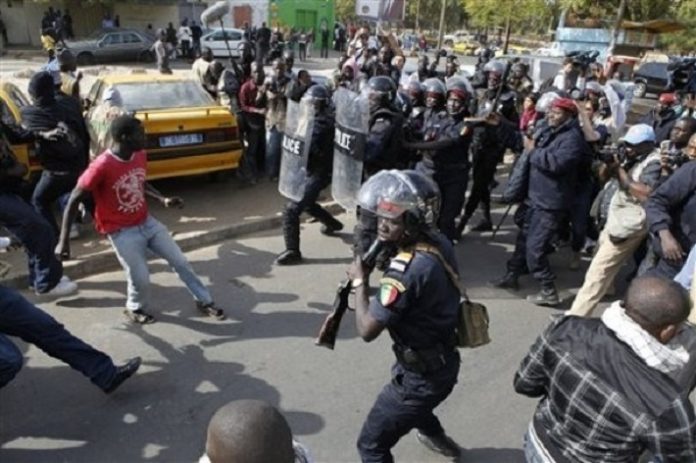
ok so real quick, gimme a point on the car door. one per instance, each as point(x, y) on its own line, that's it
point(133, 45)
point(216, 43)
point(110, 47)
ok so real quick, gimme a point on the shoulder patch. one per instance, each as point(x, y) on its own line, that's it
point(401, 261)
point(389, 291)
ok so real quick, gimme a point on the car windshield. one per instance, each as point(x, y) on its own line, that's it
point(140, 96)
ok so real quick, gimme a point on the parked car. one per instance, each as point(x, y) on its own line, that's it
point(111, 45)
point(14, 100)
point(186, 131)
point(450, 40)
point(215, 39)
point(650, 78)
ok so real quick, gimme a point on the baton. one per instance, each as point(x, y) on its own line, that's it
point(500, 224)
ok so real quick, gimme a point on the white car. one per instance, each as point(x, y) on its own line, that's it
point(215, 40)
point(458, 37)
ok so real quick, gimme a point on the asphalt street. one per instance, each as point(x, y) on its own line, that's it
point(265, 350)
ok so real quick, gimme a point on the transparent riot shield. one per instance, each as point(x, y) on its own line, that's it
point(352, 126)
point(295, 149)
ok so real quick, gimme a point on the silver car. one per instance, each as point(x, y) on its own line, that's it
point(110, 45)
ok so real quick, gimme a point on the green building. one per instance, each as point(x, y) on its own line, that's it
point(302, 14)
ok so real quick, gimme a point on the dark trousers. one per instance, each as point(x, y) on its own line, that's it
point(580, 216)
point(38, 239)
point(273, 151)
point(255, 137)
point(533, 243)
point(405, 403)
point(483, 173)
point(20, 318)
point(50, 187)
point(324, 49)
point(452, 193)
point(308, 203)
point(302, 51)
point(186, 48)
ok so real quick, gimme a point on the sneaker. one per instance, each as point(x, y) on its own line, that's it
point(442, 444)
point(574, 261)
point(547, 297)
point(65, 287)
point(211, 310)
point(5, 243)
point(289, 257)
point(139, 316)
point(123, 373)
point(507, 281)
point(329, 230)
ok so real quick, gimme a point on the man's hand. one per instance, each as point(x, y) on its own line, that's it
point(358, 270)
point(492, 119)
point(528, 143)
point(671, 250)
point(173, 201)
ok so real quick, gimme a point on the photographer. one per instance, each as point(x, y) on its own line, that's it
point(636, 168)
point(673, 151)
point(663, 117)
point(567, 76)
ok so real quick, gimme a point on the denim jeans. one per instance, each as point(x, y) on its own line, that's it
point(38, 239)
point(50, 187)
point(531, 453)
point(20, 318)
point(131, 245)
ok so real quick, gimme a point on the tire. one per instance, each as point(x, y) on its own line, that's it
point(86, 59)
point(146, 56)
point(640, 90)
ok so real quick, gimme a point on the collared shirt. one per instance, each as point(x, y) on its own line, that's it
point(600, 401)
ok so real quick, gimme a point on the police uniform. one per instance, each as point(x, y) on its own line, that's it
point(448, 167)
point(418, 304)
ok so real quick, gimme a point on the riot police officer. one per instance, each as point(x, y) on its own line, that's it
point(318, 177)
point(382, 149)
point(520, 83)
point(488, 146)
point(418, 303)
point(480, 78)
point(435, 99)
point(445, 154)
point(425, 69)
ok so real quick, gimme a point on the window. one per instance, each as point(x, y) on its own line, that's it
point(112, 39)
point(131, 37)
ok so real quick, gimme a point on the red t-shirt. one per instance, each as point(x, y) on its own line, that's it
point(118, 189)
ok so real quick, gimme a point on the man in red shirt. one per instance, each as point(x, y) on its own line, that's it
point(252, 99)
point(116, 179)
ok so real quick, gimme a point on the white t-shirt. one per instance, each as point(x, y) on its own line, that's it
point(184, 33)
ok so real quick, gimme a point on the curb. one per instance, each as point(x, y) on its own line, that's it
point(106, 261)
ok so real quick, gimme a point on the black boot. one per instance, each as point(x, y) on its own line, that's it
point(461, 226)
point(547, 297)
point(485, 224)
point(123, 373)
point(441, 443)
point(507, 281)
point(329, 228)
point(289, 257)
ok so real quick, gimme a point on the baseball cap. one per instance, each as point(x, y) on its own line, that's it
point(639, 133)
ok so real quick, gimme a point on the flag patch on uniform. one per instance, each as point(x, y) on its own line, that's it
point(389, 291)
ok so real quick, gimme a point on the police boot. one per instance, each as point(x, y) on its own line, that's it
point(485, 224)
point(547, 297)
point(441, 443)
point(507, 281)
point(289, 257)
point(330, 227)
point(461, 226)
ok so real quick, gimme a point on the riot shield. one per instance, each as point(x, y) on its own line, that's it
point(295, 149)
point(352, 126)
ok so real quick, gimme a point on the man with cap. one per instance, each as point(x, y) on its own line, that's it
point(663, 117)
point(637, 174)
point(555, 154)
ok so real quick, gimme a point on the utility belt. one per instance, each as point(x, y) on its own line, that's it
point(422, 361)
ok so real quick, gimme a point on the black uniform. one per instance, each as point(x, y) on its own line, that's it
point(419, 305)
point(318, 177)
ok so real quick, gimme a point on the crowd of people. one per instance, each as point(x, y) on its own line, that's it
point(404, 149)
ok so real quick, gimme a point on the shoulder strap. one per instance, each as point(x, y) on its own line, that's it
point(454, 276)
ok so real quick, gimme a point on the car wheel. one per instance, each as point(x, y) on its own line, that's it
point(146, 56)
point(640, 90)
point(86, 59)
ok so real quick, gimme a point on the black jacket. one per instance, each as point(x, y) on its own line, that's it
point(662, 125)
point(383, 145)
point(321, 146)
point(673, 206)
point(553, 166)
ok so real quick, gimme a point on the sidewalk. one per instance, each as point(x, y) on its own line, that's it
point(213, 212)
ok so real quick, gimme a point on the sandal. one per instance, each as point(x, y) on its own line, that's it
point(211, 310)
point(139, 316)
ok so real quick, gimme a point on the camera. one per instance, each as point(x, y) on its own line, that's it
point(682, 76)
point(608, 154)
point(583, 59)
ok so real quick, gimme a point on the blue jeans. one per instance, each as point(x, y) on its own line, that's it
point(20, 318)
point(687, 272)
point(531, 453)
point(275, 138)
point(50, 187)
point(37, 237)
point(131, 245)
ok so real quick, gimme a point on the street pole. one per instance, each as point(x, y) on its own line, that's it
point(617, 27)
point(418, 15)
point(442, 24)
point(507, 30)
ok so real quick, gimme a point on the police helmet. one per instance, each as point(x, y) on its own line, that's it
point(435, 90)
point(495, 67)
point(486, 54)
point(382, 90)
point(415, 92)
point(519, 68)
point(461, 87)
point(409, 193)
point(318, 92)
point(403, 102)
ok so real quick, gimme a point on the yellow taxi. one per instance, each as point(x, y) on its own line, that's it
point(14, 100)
point(187, 132)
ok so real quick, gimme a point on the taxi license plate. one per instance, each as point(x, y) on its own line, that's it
point(182, 139)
